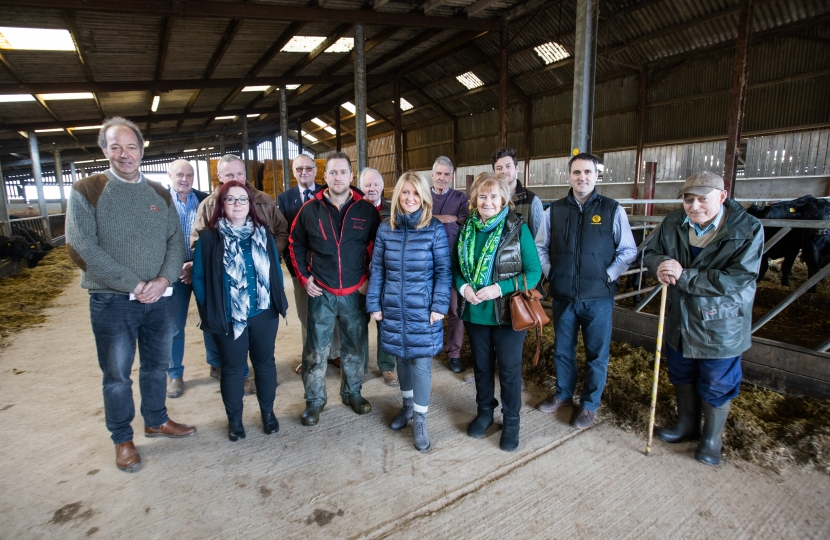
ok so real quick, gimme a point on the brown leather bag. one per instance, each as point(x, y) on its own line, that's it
point(526, 312)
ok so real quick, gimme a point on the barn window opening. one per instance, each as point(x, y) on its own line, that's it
point(35, 39)
point(470, 80)
point(551, 52)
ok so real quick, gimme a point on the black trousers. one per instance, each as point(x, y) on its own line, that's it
point(492, 345)
point(257, 339)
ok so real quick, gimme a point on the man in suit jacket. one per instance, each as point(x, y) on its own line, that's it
point(187, 200)
point(290, 201)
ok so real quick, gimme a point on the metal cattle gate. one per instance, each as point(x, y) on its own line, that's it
point(768, 363)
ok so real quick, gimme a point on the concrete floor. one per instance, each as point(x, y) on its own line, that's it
point(350, 476)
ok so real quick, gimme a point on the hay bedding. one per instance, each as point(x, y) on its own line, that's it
point(24, 296)
point(766, 428)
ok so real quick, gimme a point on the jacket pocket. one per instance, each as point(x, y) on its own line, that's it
point(723, 324)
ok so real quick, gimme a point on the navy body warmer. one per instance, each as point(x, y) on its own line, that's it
point(582, 248)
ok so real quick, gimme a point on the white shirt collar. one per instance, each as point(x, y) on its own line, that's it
point(126, 181)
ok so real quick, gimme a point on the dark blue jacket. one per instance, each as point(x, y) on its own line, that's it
point(289, 203)
point(410, 278)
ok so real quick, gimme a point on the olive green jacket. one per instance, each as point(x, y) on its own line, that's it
point(711, 304)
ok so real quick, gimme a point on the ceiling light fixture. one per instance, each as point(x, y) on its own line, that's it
point(225, 118)
point(67, 96)
point(48, 130)
point(311, 138)
point(405, 105)
point(256, 88)
point(81, 128)
point(13, 98)
point(154, 107)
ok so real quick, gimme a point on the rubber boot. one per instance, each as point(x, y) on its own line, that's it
point(403, 418)
point(688, 416)
point(235, 430)
point(714, 419)
point(419, 427)
point(480, 423)
point(509, 434)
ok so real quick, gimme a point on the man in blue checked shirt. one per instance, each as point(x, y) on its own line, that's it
point(584, 244)
point(187, 202)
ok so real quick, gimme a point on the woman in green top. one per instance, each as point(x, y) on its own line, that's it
point(493, 250)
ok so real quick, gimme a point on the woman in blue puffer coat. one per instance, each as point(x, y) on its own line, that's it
point(409, 293)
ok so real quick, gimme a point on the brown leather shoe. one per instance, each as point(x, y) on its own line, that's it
point(553, 404)
point(248, 387)
point(335, 362)
point(390, 378)
point(127, 458)
point(299, 368)
point(170, 429)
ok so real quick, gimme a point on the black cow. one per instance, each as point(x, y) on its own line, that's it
point(787, 247)
point(814, 244)
point(15, 248)
point(34, 238)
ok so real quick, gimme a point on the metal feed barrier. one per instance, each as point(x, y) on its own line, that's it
point(768, 363)
point(51, 228)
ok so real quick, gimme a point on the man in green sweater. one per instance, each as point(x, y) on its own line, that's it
point(123, 232)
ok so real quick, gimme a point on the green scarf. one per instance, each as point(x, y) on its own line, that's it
point(478, 275)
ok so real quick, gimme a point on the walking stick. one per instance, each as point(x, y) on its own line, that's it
point(656, 367)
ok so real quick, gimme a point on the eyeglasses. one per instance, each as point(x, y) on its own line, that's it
point(233, 200)
point(301, 170)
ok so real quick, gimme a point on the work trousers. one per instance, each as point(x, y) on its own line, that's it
point(455, 328)
point(325, 312)
point(301, 305)
point(718, 380)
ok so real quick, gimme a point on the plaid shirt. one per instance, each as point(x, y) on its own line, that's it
point(187, 215)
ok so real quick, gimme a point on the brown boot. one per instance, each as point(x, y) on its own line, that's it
point(127, 458)
point(390, 378)
point(170, 429)
point(335, 362)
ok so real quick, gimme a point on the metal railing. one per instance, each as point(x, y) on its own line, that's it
point(786, 225)
point(53, 230)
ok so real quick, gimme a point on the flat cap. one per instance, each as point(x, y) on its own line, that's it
point(702, 183)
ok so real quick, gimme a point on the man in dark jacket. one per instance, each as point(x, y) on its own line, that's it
point(305, 171)
point(584, 244)
point(187, 199)
point(708, 254)
point(331, 244)
point(371, 182)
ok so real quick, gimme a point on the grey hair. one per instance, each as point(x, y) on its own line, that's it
point(443, 160)
point(228, 158)
point(173, 163)
point(369, 169)
point(119, 121)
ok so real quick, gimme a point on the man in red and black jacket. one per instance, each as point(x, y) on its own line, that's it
point(331, 245)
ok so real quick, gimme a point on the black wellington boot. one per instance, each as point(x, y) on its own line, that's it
point(688, 416)
point(714, 419)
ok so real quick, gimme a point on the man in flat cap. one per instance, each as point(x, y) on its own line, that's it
point(708, 254)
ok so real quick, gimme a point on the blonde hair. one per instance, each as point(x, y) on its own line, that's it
point(422, 188)
point(485, 181)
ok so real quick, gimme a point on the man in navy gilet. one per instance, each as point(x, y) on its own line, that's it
point(584, 244)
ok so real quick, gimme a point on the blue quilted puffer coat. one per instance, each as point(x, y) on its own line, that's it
point(410, 278)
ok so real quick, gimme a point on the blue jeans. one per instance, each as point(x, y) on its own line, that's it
point(118, 323)
point(718, 380)
point(181, 296)
point(594, 318)
point(416, 374)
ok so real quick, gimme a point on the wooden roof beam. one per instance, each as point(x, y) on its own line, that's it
point(73, 32)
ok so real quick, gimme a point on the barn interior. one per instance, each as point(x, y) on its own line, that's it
point(656, 89)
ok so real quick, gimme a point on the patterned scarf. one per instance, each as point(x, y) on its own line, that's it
point(478, 275)
point(236, 271)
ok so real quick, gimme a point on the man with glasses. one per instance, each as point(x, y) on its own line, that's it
point(305, 171)
point(232, 167)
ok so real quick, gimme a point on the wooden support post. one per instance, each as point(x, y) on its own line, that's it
point(503, 74)
point(245, 152)
point(648, 188)
point(361, 144)
point(455, 141)
point(338, 139)
point(738, 99)
point(641, 126)
point(528, 138)
point(286, 170)
point(398, 142)
point(585, 62)
point(4, 208)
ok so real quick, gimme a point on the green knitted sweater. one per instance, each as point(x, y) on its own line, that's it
point(120, 234)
